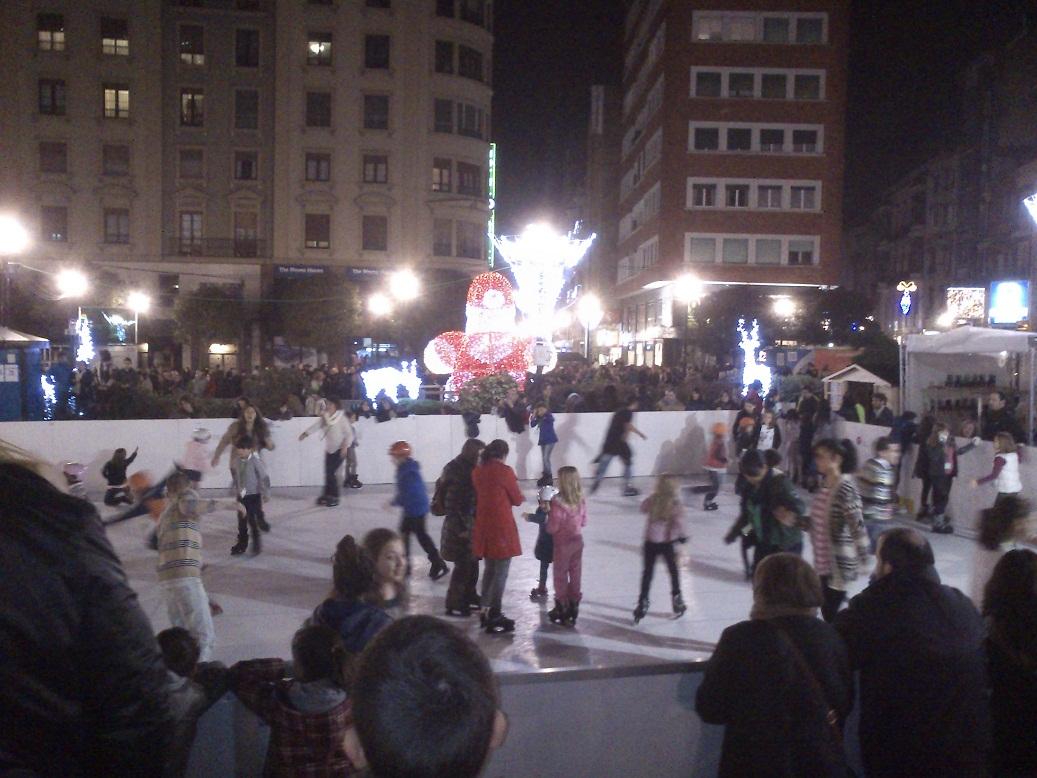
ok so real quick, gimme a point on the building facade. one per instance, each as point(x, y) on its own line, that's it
point(238, 142)
point(731, 157)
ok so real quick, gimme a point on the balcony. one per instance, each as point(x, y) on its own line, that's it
point(246, 248)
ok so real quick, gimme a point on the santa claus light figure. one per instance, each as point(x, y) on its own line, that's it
point(490, 344)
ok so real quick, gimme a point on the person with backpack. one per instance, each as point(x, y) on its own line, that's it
point(454, 499)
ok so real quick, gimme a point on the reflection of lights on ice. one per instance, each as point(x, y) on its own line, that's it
point(389, 379)
point(754, 370)
point(85, 350)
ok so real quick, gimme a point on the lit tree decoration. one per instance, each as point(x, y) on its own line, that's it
point(85, 349)
point(389, 380)
point(50, 396)
point(754, 370)
point(539, 259)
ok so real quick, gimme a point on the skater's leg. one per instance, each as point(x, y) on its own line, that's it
point(603, 466)
point(670, 556)
point(544, 567)
point(650, 551)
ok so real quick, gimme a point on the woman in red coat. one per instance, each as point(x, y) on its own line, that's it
point(495, 535)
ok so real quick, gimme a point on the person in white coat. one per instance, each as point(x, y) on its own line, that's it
point(338, 437)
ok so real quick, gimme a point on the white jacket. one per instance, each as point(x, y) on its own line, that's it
point(337, 432)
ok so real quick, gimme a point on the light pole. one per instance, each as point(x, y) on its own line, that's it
point(590, 313)
point(13, 241)
point(687, 289)
point(139, 303)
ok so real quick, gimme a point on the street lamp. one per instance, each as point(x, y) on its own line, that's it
point(379, 304)
point(139, 303)
point(14, 239)
point(784, 307)
point(590, 313)
point(71, 283)
point(404, 285)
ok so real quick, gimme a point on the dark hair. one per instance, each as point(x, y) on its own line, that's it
point(119, 454)
point(352, 570)
point(317, 653)
point(905, 549)
point(880, 397)
point(333, 401)
point(179, 649)
point(1010, 605)
point(1000, 394)
point(244, 441)
point(424, 700)
point(377, 539)
point(471, 448)
point(772, 457)
point(786, 580)
point(883, 444)
point(996, 523)
point(177, 482)
point(496, 449)
point(752, 463)
point(844, 449)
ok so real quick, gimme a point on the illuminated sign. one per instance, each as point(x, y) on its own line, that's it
point(1009, 302)
point(966, 303)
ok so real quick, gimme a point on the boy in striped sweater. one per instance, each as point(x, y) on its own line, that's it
point(180, 560)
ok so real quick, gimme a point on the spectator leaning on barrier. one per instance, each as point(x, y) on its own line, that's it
point(879, 414)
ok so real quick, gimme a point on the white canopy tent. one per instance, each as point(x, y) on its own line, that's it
point(952, 361)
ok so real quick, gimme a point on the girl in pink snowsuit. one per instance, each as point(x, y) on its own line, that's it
point(565, 523)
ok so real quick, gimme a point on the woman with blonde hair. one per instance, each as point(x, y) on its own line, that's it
point(565, 523)
point(663, 528)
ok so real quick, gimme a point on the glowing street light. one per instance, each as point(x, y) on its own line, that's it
point(138, 302)
point(589, 311)
point(404, 285)
point(688, 289)
point(784, 307)
point(71, 283)
point(379, 304)
point(14, 238)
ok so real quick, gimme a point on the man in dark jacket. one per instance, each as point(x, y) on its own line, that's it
point(456, 541)
point(82, 684)
point(919, 648)
point(1000, 418)
point(880, 414)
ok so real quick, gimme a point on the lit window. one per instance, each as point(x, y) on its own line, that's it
point(50, 32)
point(768, 251)
point(192, 107)
point(115, 37)
point(116, 101)
point(318, 231)
point(116, 225)
point(192, 44)
point(318, 49)
point(709, 28)
point(318, 167)
point(741, 28)
point(735, 251)
point(702, 250)
point(442, 175)
point(375, 233)
point(376, 169)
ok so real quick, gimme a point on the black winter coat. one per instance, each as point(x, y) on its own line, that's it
point(774, 718)
point(82, 685)
point(923, 679)
point(459, 501)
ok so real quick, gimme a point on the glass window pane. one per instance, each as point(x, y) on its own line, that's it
point(775, 29)
point(707, 84)
point(804, 141)
point(736, 251)
point(772, 140)
point(703, 250)
point(774, 86)
point(801, 252)
point(707, 138)
point(710, 28)
point(809, 30)
point(739, 139)
point(768, 252)
point(807, 88)
point(741, 85)
point(741, 28)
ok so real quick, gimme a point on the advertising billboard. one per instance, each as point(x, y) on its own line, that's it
point(1009, 303)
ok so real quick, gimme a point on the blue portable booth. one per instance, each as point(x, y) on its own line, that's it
point(21, 366)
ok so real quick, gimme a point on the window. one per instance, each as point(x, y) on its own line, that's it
point(52, 96)
point(376, 52)
point(115, 37)
point(772, 140)
point(246, 48)
point(54, 223)
point(376, 112)
point(445, 8)
point(707, 139)
point(444, 116)
point(741, 28)
point(810, 30)
point(246, 165)
point(804, 141)
point(469, 179)
point(469, 63)
point(707, 84)
point(444, 57)
point(804, 198)
point(318, 231)
point(709, 28)
point(190, 232)
point(768, 251)
point(375, 233)
point(735, 251)
point(739, 139)
point(50, 32)
point(246, 109)
point(741, 85)
point(318, 167)
point(246, 234)
point(774, 86)
point(53, 157)
point(807, 87)
point(704, 195)
point(192, 107)
point(443, 237)
point(192, 44)
point(469, 120)
point(376, 169)
point(702, 250)
point(736, 195)
point(801, 252)
point(775, 29)
point(116, 225)
point(441, 175)
point(318, 49)
point(192, 163)
point(473, 11)
point(116, 101)
point(768, 196)
point(471, 240)
point(115, 160)
point(318, 109)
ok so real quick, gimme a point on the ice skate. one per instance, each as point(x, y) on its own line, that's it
point(559, 613)
point(641, 610)
point(679, 608)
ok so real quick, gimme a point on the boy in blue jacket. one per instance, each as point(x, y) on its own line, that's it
point(412, 497)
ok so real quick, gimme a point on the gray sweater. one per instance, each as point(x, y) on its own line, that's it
point(252, 476)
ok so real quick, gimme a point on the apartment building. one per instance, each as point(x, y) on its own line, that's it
point(731, 154)
point(238, 142)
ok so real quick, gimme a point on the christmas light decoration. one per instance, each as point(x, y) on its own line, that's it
point(85, 349)
point(389, 380)
point(907, 290)
point(753, 370)
point(491, 343)
point(50, 396)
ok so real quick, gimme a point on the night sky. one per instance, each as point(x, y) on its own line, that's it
point(905, 58)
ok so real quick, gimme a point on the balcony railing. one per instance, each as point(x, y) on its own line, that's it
point(218, 247)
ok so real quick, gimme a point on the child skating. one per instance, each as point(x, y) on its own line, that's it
point(544, 549)
point(545, 420)
point(412, 497)
point(565, 523)
point(716, 466)
point(664, 527)
point(253, 486)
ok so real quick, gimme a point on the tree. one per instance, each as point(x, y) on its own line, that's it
point(210, 314)
point(322, 312)
point(880, 355)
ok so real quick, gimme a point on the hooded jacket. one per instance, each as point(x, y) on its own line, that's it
point(356, 622)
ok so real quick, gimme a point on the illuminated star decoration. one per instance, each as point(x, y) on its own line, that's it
point(389, 380)
point(907, 288)
point(85, 349)
point(753, 370)
point(539, 259)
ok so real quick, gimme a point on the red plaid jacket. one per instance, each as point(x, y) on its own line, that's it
point(308, 745)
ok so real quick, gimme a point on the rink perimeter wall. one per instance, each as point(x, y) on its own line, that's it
point(676, 443)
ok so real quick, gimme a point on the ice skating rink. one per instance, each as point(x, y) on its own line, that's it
point(266, 598)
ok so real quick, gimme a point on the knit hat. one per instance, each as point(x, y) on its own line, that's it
point(201, 435)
